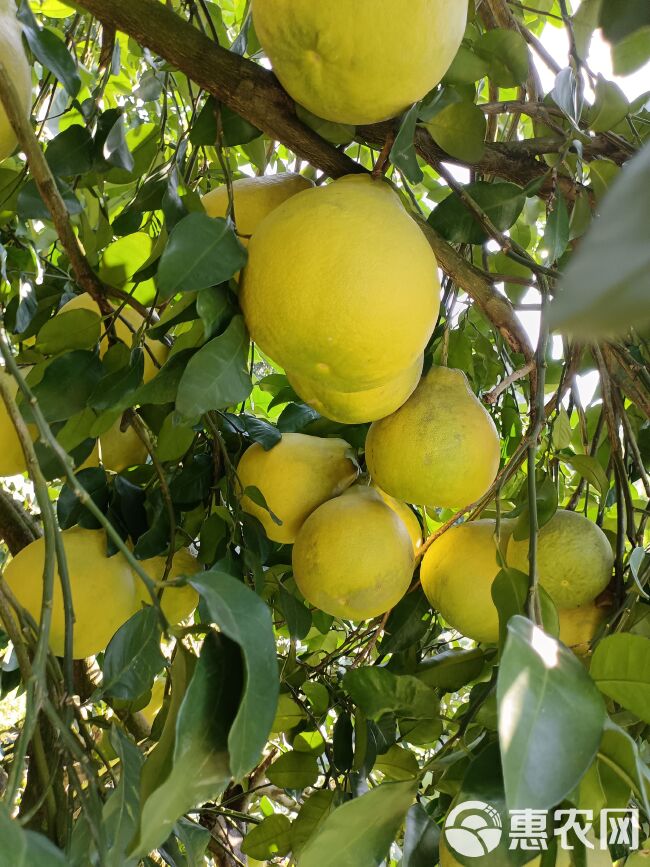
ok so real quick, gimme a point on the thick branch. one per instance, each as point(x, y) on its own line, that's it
point(17, 527)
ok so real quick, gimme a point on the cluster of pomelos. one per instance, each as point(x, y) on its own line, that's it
point(341, 290)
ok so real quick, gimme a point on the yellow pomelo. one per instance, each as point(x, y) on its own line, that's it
point(578, 626)
point(150, 710)
point(406, 515)
point(341, 287)
point(353, 557)
point(177, 603)
point(103, 590)
point(348, 62)
point(254, 199)
point(574, 559)
point(118, 449)
point(295, 477)
point(12, 460)
point(457, 574)
point(18, 68)
point(124, 333)
point(440, 448)
point(356, 407)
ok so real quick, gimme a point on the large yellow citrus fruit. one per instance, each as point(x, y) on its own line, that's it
point(151, 709)
point(117, 449)
point(353, 557)
point(457, 574)
point(356, 407)
point(153, 349)
point(12, 460)
point(440, 448)
point(254, 199)
point(574, 559)
point(341, 286)
point(177, 603)
point(103, 590)
point(578, 626)
point(18, 68)
point(349, 63)
point(406, 515)
point(295, 477)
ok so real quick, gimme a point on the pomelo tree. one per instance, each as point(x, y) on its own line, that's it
point(250, 402)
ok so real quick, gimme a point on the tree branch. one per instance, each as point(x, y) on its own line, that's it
point(17, 527)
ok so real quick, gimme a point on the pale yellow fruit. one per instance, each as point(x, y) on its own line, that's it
point(353, 557)
point(295, 477)
point(12, 459)
point(150, 710)
point(406, 515)
point(440, 448)
point(103, 590)
point(17, 67)
point(356, 407)
point(574, 559)
point(124, 333)
point(578, 626)
point(177, 603)
point(457, 574)
point(118, 450)
point(341, 286)
point(254, 199)
point(349, 63)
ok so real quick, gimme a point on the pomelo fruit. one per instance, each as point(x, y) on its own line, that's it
point(18, 69)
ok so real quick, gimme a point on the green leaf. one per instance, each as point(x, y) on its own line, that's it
point(407, 623)
point(510, 591)
point(460, 129)
point(590, 469)
point(133, 656)
point(421, 839)
point(296, 613)
point(619, 756)
point(123, 258)
point(200, 769)
point(271, 838)
point(451, 669)
point(606, 285)
point(551, 718)
point(66, 386)
point(402, 154)
point(335, 133)
point(121, 811)
point(313, 812)
point(30, 205)
point(243, 616)
point(620, 668)
point(360, 833)
point(75, 329)
point(71, 151)
point(294, 770)
point(217, 375)
point(50, 50)
point(201, 252)
point(610, 108)
point(631, 53)
point(397, 763)
point(585, 22)
point(378, 691)
point(506, 54)
point(22, 848)
point(501, 202)
point(556, 235)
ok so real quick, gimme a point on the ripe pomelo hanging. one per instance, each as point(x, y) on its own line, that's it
point(19, 71)
point(341, 287)
point(353, 62)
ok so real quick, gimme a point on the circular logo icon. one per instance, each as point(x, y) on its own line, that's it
point(473, 829)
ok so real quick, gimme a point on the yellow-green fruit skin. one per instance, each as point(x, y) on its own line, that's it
point(103, 590)
point(254, 199)
point(177, 603)
point(153, 349)
point(12, 460)
point(578, 626)
point(440, 448)
point(295, 477)
point(19, 71)
point(353, 557)
point(341, 287)
point(119, 450)
point(574, 559)
point(457, 574)
point(357, 407)
point(346, 62)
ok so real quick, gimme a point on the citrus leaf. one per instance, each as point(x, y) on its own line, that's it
point(402, 154)
point(271, 838)
point(620, 668)
point(590, 469)
point(551, 718)
point(460, 129)
point(501, 202)
point(133, 656)
point(294, 770)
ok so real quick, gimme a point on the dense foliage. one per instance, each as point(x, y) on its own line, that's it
point(259, 728)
